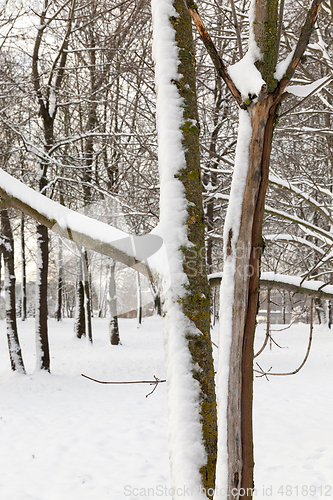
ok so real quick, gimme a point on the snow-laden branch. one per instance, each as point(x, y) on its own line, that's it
point(291, 238)
point(306, 131)
point(281, 183)
point(293, 284)
point(133, 251)
point(325, 235)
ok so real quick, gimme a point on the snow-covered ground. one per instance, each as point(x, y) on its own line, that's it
point(64, 437)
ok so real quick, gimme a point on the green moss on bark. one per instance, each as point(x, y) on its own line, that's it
point(196, 303)
point(265, 30)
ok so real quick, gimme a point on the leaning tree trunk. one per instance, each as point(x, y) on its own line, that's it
point(7, 244)
point(189, 362)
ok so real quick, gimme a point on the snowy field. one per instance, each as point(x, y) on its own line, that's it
point(64, 437)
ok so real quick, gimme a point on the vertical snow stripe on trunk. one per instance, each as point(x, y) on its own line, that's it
point(227, 295)
point(177, 131)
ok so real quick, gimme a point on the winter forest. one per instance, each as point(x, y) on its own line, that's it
point(166, 192)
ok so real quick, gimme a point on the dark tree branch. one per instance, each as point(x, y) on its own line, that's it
point(301, 45)
point(279, 30)
point(238, 33)
point(150, 382)
point(214, 55)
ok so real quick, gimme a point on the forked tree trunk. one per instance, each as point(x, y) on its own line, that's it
point(243, 243)
point(7, 246)
point(246, 249)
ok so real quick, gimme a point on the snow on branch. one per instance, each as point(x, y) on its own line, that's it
point(325, 235)
point(131, 250)
point(291, 238)
point(301, 45)
point(293, 284)
point(281, 183)
point(309, 89)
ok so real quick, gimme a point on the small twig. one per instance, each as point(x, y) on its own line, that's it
point(277, 345)
point(268, 323)
point(264, 374)
point(150, 382)
point(238, 33)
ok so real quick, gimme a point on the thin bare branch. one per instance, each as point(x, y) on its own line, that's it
point(301, 45)
point(212, 51)
point(238, 33)
point(263, 373)
point(268, 323)
point(279, 32)
point(155, 382)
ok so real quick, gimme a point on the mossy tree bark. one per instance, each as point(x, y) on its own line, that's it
point(193, 300)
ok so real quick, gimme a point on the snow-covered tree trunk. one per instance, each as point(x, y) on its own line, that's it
point(7, 247)
point(87, 294)
point(243, 242)
point(24, 274)
point(112, 304)
point(139, 299)
point(58, 311)
point(157, 298)
point(41, 313)
point(80, 316)
point(188, 350)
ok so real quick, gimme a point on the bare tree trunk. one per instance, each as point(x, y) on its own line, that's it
point(139, 299)
point(112, 304)
point(41, 313)
point(24, 274)
point(58, 311)
point(87, 295)
point(80, 316)
point(7, 244)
